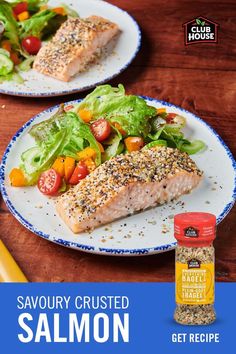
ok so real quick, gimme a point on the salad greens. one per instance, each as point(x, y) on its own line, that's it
point(137, 118)
point(63, 134)
point(10, 24)
point(6, 68)
point(115, 147)
point(67, 133)
point(35, 25)
point(6, 65)
point(111, 103)
point(26, 64)
point(155, 143)
point(171, 134)
point(192, 147)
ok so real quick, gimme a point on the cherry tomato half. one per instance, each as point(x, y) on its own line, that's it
point(101, 129)
point(49, 182)
point(21, 7)
point(31, 44)
point(134, 143)
point(80, 172)
point(170, 117)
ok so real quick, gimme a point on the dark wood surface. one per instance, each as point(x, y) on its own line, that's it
point(200, 78)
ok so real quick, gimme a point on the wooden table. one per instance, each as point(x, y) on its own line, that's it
point(200, 78)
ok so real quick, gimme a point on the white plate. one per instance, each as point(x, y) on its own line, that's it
point(122, 52)
point(148, 232)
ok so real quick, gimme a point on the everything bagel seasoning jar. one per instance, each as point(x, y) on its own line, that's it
point(195, 268)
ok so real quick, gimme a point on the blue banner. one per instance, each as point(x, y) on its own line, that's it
point(109, 318)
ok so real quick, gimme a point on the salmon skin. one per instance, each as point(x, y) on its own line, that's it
point(76, 44)
point(127, 184)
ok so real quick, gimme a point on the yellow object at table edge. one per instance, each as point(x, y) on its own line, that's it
point(9, 270)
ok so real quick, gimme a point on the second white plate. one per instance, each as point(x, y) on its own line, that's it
point(125, 49)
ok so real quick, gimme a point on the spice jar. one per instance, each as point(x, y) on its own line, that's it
point(195, 268)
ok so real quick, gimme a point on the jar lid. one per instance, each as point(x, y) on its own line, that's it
point(195, 229)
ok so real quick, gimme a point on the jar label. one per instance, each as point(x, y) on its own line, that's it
point(194, 283)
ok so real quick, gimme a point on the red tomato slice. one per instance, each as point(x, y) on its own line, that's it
point(169, 118)
point(49, 182)
point(101, 129)
point(31, 44)
point(21, 7)
point(80, 172)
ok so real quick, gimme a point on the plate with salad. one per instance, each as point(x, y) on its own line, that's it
point(33, 32)
point(61, 147)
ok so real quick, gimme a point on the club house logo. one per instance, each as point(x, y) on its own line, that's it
point(200, 30)
point(191, 232)
point(194, 263)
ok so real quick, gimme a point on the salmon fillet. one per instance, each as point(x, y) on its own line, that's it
point(76, 44)
point(127, 184)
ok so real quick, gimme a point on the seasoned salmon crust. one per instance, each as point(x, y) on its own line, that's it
point(76, 44)
point(127, 184)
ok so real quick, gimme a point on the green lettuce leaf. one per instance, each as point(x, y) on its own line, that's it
point(13, 76)
point(10, 24)
point(39, 158)
point(34, 5)
point(131, 112)
point(171, 135)
point(26, 64)
point(78, 134)
point(156, 135)
point(115, 148)
point(193, 147)
point(155, 143)
point(6, 65)
point(35, 25)
point(63, 134)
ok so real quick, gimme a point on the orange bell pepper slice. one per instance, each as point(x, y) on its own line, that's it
point(85, 115)
point(59, 166)
point(23, 16)
point(87, 153)
point(17, 178)
point(6, 45)
point(59, 11)
point(69, 167)
point(134, 143)
point(161, 110)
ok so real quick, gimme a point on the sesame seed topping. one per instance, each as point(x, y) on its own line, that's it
point(72, 40)
point(151, 165)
